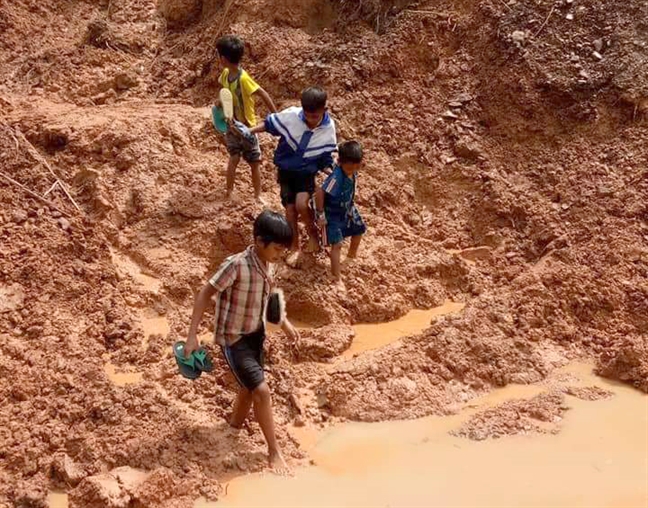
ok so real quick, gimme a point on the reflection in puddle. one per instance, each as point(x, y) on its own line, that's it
point(374, 336)
point(598, 459)
point(121, 378)
point(57, 500)
point(126, 267)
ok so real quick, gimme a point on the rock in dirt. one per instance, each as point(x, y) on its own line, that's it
point(588, 392)
point(19, 216)
point(468, 149)
point(11, 297)
point(519, 36)
point(627, 361)
point(126, 80)
point(115, 489)
point(65, 470)
point(514, 417)
point(64, 223)
point(475, 253)
point(325, 343)
point(177, 12)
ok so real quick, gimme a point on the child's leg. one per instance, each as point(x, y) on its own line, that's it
point(291, 215)
point(242, 407)
point(263, 414)
point(336, 251)
point(307, 218)
point(231, 172)
point(256, 179)
point(353, 249)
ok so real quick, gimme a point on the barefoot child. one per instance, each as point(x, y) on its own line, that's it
point(307, 141)
point(336, 208)
point(241, 287)
point(244, 92)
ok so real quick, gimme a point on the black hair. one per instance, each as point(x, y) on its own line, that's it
point(313, 99)
point(272, 227)
point(231, 48)
point(350, 151)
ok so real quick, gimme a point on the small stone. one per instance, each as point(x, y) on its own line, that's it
point(456, 104)
point(124, 81)
point(570, 16)
point(597, 55)
point(518, 36)
point(19, 216)
point(583, 74)
point(449, 115)
point(598, 44)
point(64, 223)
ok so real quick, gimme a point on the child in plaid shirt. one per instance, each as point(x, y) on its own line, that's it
point(242, 286)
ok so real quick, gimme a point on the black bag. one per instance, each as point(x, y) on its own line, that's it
point(276, 308)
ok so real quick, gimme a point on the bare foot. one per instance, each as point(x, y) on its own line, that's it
point(278, 464)
point(338, 286)
point(260, 201)
point(349, 261)
point(292, 260)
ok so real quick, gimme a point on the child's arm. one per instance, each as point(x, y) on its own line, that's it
point(202, 301)
point(223, 279)
point(290, 331)
point(266, 99)
point(319, 206)
point(258, 129)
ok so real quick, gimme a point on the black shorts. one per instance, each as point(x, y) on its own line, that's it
point(293, 183)
point(245, 359)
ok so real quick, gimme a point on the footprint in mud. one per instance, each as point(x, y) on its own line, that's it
point(127, 268)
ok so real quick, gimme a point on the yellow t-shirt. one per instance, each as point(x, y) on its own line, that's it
point(242, 89)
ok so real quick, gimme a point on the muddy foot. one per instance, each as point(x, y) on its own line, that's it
point(278, 464)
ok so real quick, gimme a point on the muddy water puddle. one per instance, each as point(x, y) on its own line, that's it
point(374, 336)
point(599, 459)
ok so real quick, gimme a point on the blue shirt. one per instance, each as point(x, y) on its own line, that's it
point(300, 148)
point(339, 191)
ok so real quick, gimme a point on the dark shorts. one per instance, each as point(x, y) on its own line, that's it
point(245, 359)
point(339, 227)
point(236, 145)
point(293, 183)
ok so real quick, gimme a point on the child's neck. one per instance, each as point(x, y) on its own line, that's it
point(233, 69)
point(347, 172)
point(258, 254)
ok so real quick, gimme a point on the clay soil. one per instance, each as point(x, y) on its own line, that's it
point(506, 168)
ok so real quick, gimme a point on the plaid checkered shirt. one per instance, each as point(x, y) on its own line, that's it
point(243, 286)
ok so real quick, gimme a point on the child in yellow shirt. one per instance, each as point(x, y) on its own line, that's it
point(244, 92)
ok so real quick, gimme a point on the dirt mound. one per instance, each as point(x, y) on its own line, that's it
point(515, 417)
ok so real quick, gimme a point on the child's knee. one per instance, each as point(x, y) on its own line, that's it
point(261, 393)
point(302, 207)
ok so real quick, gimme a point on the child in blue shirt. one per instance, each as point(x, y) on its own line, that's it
point(306, 145)
point(336, 208)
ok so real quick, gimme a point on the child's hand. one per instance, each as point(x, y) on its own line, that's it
point(191, 345)
point(290, 331)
